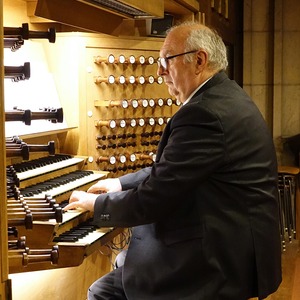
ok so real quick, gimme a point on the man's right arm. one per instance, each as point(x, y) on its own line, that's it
point(125, 182)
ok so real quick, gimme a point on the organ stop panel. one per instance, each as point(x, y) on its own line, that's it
point(111, 112)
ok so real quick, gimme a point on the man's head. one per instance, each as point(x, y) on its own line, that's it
point(191, 54)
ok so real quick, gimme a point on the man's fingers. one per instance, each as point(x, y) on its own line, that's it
point(95, 190)
point(72, 205)
point(92, 189)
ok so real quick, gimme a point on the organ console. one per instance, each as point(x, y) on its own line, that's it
point(44, 185)
point(121, 137)
point(36, 191)
point(118, 134)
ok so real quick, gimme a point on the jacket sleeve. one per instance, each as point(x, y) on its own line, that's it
point(132, 180)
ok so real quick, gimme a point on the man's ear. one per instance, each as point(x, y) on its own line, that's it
point(201, 61)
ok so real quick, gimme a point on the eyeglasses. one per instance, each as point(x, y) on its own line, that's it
point(163, 61)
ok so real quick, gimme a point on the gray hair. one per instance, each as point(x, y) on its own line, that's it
point(208, 40)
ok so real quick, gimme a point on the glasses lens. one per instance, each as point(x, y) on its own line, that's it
point(162, 62)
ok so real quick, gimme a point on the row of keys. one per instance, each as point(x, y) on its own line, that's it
point(124, 103)
point(129, 168)
point(111, 59)
point(117, 145)
point(132, 122)
point(127, 135)
point(123, 158)
point(126, 145)
point(111, 79)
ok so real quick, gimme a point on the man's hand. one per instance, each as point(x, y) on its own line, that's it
point(106, 185)
point(82, 200)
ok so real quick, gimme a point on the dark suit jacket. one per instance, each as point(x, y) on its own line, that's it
point(205, 216)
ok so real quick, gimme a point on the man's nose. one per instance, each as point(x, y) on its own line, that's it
point(161, 71)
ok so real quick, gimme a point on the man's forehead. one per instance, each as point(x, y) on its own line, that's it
point(165, 49)
point(171, 45)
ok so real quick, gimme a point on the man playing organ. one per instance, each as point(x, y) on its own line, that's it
point(205, 215)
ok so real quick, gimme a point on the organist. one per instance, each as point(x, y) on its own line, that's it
point(205, 214)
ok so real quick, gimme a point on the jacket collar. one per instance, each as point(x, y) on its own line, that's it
point(216, 79)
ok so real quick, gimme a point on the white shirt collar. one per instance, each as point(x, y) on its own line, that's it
point(195, 91)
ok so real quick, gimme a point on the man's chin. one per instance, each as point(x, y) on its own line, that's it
point(173, 92)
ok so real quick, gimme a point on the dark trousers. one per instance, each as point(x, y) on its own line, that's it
point(108, 287)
